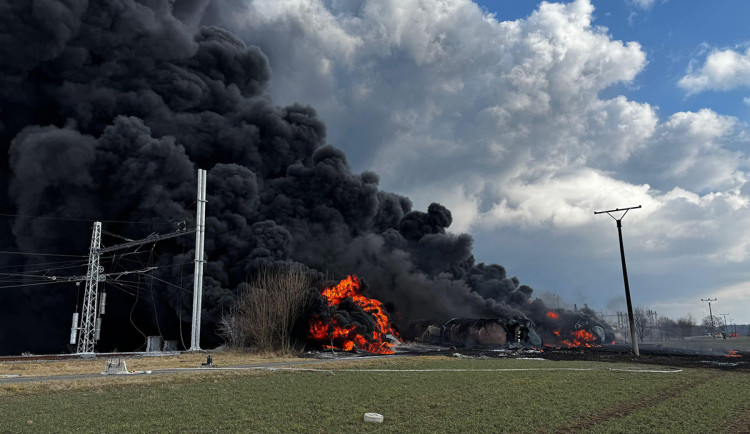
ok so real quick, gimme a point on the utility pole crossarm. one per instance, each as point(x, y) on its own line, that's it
point(102, 276)
point(617, 209)
point(147, 240)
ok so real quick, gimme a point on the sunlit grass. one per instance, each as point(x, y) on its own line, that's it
point(547, 397)
point(75, 366)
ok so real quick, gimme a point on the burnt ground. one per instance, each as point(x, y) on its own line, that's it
point(650, 355)
point(663, 357)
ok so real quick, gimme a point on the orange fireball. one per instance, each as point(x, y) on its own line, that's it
point(577, 338)
point(329, 331)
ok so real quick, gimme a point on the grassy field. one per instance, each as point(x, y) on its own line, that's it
point(138, 363)
point(482, 396)
point(704, 343)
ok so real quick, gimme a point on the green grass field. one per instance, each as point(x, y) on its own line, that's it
point(545, 397)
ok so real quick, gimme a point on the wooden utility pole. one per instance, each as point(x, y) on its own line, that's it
point(710, 314)
point(625, 272)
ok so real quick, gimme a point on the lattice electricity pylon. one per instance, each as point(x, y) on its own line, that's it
point(93, 302)
point(90, 323)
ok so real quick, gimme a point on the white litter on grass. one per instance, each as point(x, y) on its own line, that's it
point(656, 371)
point(374, 417)
point(8, 375)
point(711, 362)
point(118, 367)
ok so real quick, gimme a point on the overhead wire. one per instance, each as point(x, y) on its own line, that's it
point(84, 220)
point(32, 284)
point(43, 263)
point(128, 287)
point(42, 254)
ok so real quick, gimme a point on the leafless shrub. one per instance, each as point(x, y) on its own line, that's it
point(641, 319)
point(686, 325)
point(267, 308)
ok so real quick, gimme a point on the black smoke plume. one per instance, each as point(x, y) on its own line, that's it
point(108, 107)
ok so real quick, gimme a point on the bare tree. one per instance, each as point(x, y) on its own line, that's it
point(267, 309)
point(641, 318)
point(685, 325)
point(667, 328)
point(713, 325)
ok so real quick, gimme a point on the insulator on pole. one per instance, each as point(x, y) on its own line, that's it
point(74, 329)
point(98, 329)
point(102, 302)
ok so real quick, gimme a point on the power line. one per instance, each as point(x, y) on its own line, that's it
point(85, 220)
point(31, 284)
point(42, 264)
point(31, 273)
point(168, 283)
point(23, 275)
point(42, 254)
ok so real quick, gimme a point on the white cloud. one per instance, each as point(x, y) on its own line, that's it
point(688, 150)
point(643, 4)
point(722, 70)
point(503, 121)
point(565, 200)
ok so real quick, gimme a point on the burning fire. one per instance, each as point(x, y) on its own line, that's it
point(331, 331)
point(578, 338)
point(734, 353)
point(552, 315)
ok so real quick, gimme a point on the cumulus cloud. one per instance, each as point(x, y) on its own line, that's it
point(722, 70)
point(692, 150)
point(504, 122)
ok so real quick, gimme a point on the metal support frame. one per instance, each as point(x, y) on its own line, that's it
point(631, 320)
point(87, 333)
point(200, 232)
point(88, 329)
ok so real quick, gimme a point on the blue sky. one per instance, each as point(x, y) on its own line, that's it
point(524, 117)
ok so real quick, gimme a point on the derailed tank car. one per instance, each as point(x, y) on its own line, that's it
point(602, 331)
point(476, 332)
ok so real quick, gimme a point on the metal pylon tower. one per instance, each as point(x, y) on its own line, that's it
point(87, 333)
point(90, 323)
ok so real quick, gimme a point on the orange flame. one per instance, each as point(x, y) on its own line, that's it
point(734, 353)
point(578, 338)
point(348, 337)
point(553, 315)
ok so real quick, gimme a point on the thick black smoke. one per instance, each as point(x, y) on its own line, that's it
point(108, 107)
